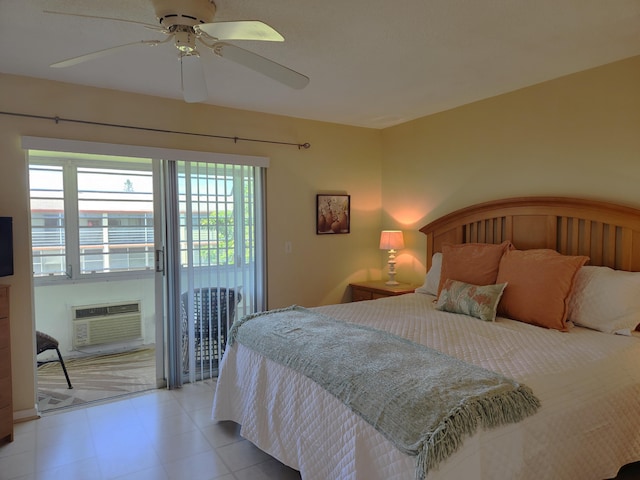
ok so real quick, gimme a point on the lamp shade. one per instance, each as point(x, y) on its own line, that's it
point(391, 240)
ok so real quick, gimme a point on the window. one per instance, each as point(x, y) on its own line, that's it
point(92, 215)
point(90, 220)
point(211, 198)
point(47, 220)
point(115, 209)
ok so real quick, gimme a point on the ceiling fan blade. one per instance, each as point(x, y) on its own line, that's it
point(261, 65)
point(242, 30)
point(194, 84)
point(101, 53)
point(146, 25)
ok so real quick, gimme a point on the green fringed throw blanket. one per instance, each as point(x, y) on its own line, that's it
point(423, 401)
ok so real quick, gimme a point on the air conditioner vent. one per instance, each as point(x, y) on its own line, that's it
point(102, 310)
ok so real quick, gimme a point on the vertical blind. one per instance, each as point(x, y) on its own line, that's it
point(220, 250)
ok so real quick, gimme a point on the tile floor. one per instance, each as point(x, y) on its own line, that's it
point(159, 435)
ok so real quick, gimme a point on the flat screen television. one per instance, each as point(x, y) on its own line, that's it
point(6, 246)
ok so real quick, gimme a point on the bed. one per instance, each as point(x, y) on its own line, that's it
point(584, 369)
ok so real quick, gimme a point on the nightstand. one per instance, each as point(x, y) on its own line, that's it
point(377, 289)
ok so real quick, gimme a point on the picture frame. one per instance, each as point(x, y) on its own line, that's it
point(333, 214)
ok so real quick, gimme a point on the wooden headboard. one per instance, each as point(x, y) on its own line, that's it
point(607, 233)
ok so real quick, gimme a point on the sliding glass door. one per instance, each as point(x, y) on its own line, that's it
point(216, 266)
point(104, 215)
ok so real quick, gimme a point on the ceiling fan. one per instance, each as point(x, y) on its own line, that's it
point(189, 24)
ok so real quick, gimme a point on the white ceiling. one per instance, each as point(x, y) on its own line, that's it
point(372, 63)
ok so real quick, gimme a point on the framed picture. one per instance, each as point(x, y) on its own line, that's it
point(333, 214)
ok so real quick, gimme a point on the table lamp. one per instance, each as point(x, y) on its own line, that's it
point(391, 240)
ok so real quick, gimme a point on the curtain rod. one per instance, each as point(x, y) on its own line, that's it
point(157, 130)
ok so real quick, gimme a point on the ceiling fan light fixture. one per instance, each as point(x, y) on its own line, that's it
point(192, 53)
point(185, 39)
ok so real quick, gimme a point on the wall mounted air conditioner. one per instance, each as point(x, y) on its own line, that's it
point(106, 323)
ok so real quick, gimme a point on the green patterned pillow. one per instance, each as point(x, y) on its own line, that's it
point(477, 301)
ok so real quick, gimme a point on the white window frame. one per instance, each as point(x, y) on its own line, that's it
point(71, 224)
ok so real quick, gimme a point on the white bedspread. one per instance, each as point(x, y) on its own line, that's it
point(588, 383)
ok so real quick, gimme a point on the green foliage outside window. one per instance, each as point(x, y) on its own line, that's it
point(217, 239)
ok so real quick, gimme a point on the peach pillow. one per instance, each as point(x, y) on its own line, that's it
point(475, 263)
point(540, 285)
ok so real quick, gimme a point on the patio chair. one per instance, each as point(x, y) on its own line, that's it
point(211, 305)
point(46, 342)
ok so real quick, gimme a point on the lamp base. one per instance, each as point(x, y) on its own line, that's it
point(392, 269)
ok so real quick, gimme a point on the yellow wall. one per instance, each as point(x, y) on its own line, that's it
point(577, 136)
point(574, 136)
point(341, 159)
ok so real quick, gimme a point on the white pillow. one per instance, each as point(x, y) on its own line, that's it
point(432, 279)
point(605, 299)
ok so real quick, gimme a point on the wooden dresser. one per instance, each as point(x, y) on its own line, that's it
point(378, 289)
point(6, 400)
